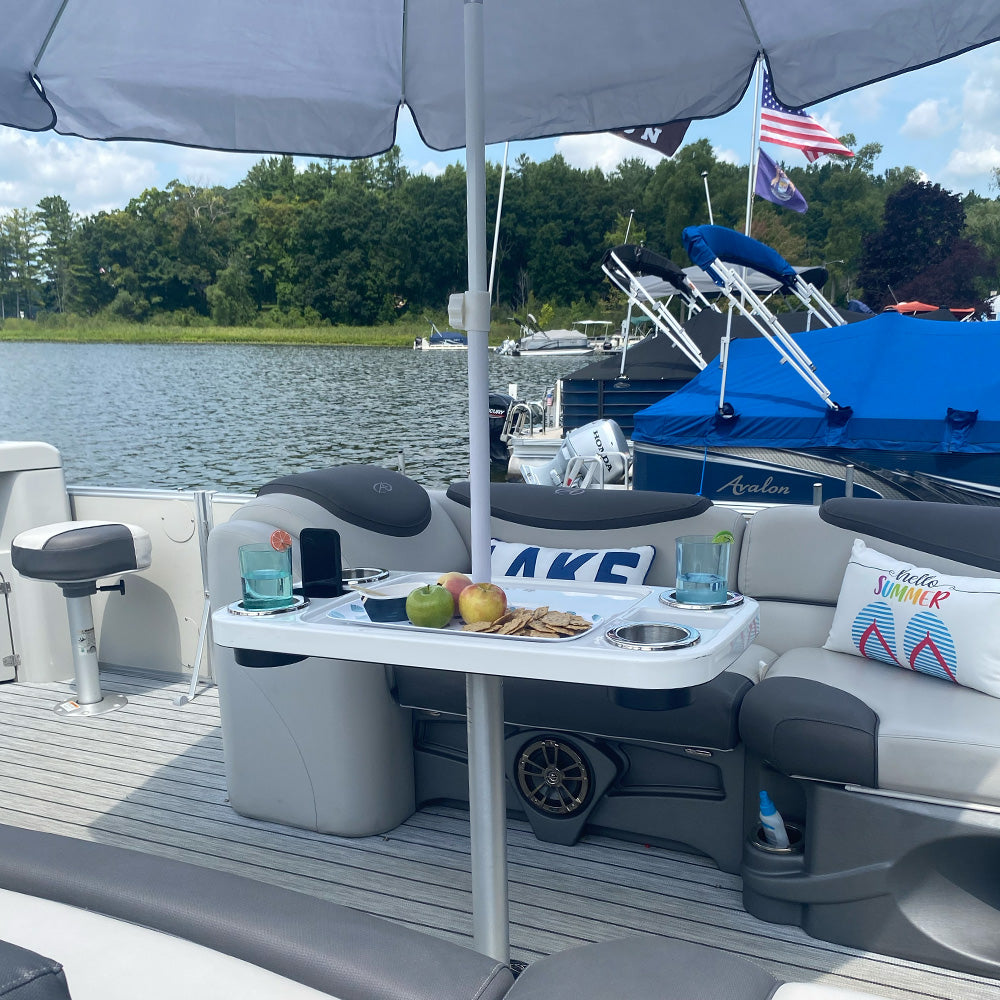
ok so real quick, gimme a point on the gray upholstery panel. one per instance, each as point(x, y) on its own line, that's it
point(934, 737)
point(962, 533)
point(25, 975)
point(439, 547)
point(802, 727)
point(710, 720)
point(367, 496)
point(344, 952)
point(643, 967)
point(789, 553)
point(786, 625)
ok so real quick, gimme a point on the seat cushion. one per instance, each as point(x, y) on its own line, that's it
point(78, 551)
point(933, 737)
point(643, 967)
point(25, 975)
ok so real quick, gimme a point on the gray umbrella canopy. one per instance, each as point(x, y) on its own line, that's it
point(327, 77)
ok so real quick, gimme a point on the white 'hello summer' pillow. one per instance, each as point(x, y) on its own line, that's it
point(583, 565)
point(919, 619)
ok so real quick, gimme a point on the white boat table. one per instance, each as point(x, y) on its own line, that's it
point(706, 643)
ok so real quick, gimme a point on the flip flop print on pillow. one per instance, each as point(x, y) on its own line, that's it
point(920, 619)
point(929, 647)
point(874, 632)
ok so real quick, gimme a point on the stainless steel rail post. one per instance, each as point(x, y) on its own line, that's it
point(204, 522)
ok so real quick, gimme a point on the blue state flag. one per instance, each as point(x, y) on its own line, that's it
point(773, 184)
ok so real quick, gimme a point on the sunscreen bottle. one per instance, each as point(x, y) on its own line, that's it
point(771, 821)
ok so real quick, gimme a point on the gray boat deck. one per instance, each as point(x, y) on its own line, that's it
point(151, 778)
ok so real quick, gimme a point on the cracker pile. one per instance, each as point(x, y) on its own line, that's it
point(540, 623)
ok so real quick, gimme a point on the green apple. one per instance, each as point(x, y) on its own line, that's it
point(430, 607)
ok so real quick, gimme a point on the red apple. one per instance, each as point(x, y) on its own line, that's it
point(481, 602)
point(455, 583)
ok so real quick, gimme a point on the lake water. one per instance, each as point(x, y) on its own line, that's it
point(232, 416)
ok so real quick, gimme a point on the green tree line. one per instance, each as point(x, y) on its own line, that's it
point(368, 242)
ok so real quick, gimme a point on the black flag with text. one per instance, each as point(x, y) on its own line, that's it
point(664, 139)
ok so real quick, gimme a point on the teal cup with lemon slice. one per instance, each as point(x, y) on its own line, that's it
point(703, 568)
point(266, 573)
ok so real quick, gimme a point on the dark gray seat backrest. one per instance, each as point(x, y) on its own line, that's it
point(340, 951)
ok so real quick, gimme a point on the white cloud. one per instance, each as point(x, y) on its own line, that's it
point(977, 152)
point(830, 123)
point(966, 163)
point(91, 176)
point(201, 167)
point(430, 168)
point(601, 149)
point(929, 120)
point(728, 156)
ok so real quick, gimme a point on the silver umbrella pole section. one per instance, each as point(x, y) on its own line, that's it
point(484, 695)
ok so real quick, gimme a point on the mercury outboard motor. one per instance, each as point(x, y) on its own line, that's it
point(590, 457)
point(500, 404)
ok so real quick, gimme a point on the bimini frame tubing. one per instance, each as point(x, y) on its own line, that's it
point(715, 248)
point(620, 264)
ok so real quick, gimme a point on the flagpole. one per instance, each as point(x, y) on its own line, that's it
point(755, 140)
point(751, 183)
point(496, 226)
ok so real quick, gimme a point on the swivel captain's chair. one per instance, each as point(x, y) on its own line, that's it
point(74, 555)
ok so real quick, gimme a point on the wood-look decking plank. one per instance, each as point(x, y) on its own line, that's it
point(151, 778)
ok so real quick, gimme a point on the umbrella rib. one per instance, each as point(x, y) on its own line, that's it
point(402, 55)
point(48, 34)
point(753, 27)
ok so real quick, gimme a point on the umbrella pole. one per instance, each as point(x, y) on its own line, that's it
point(484, 695)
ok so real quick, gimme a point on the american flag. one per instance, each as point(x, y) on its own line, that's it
point(797, 129)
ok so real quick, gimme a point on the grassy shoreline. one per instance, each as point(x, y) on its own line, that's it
point(397, 335)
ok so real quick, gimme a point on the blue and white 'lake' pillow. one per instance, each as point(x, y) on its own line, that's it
point(583, 565)
point(917, 618)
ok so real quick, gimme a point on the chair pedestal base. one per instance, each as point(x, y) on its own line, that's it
point(89, 698)
point(73, 709)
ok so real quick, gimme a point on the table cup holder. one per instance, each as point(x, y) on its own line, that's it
point(652, 637)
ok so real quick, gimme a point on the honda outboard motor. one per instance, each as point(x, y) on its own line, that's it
point(592, 456)
point(500, 404)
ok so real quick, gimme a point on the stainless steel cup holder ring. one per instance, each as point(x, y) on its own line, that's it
point(652, 637)
point(298, 603)
point(669, 598)
point(364, 575)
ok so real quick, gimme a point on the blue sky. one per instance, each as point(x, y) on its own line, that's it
point(944, 120)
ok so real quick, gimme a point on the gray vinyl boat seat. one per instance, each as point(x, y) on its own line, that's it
point(893, 774)
point(86, 904)
point(127, 924)
point(839, 717)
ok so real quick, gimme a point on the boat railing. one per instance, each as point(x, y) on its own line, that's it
point(619, 265)
point(723, 253)
point(521, 420)
point(588, 472)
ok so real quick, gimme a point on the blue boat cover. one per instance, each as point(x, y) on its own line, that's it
point(448, 337)
point(706, 244)
point(912, 386)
